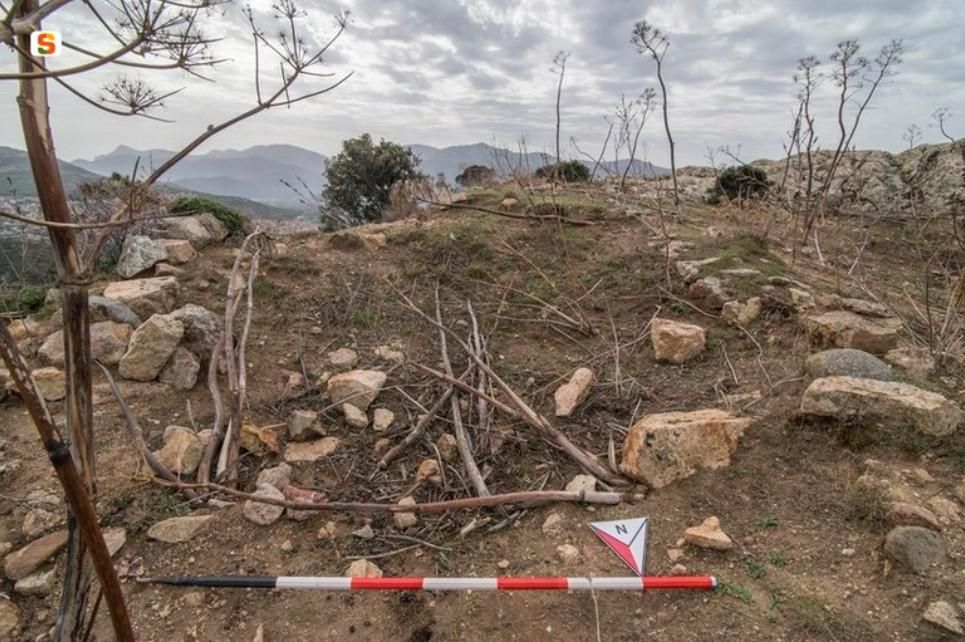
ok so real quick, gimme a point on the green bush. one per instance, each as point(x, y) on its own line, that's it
point(235, 221)
point(569, 171)
point(29, 298)
point(476, 175)
point(740, 182)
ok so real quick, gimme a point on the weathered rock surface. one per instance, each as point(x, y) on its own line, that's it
point(182, 450)
point(915, 548)
point(277, 476)
point(28, 559)
point(574, 392)
point(664, 447)
point(181, 370)
point(354, 417)
point(201, 328)
point(846, 329)
point(150, 347)
point(382, 419)
point(363, 568)
point(108, 343)
point(38, 583)
point(138, 254)
point(943, 615)
point(311, 450)
point(217, 229)
point(689, 270)
point(905, 514)
point(581, 484)
point(847, 362)
point(343, 359)
point(888, 403)
point(51, 383)
point(709, 535)
point(9, 619)
point(304, 424)
point(261, 513)
point(405, 520)
point(742, 313)
point(145, 297)
point(179, 251)
point(914, 361)
point(676, 342)
point(568, 554)
point(178, 529)
point(186, 228)
point(104, 309)
point(357, 387)
point(710, 290)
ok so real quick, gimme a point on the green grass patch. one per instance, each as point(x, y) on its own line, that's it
point(24, 300)
point(235, 221)
point(736, 591)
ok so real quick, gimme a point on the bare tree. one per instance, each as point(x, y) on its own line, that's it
point(632, 117)
point(940, 116)
point(152, 35)
point(912, 135)
point(559, 68)
point(651, 40)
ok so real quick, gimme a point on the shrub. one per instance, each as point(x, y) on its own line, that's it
point(569, 171)
point(360, 177)
point(476, 175)
point(29, 298)
point(740, 182)
point(235, 221)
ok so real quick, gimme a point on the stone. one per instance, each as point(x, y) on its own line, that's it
point(945, 509)
point(554, 524)
point(709, 535)
point(38, 521)
point(382, 419)
point(915, 548)
point(311, 450)
point(574, 392)
point(943, 615)
point(689, 270)
point(366, 532)
point(710, 290)
point(139, 253)
point(155, 295)
point(50, 382)
point(905, 514)
point(103, 309)
point(363, 568)
point(676, 342)
point(448, 446)
point(166, 269)
point(509, 203)
point(218, 230)
point(742, 313)
point(865, 308)
point(675, 554)
point(357, 387)
point(343, 359)
point(303, 424)
point(186, 228)
point(802, 300)
point(39, 583)
point(568, 554)
point(23, 562)
point(277, 476)
point(742, 273)
point(151, 345)
point(181, 370)
point(581, 484)
point(354, 417)
point(914, 361)
point(258, 440)
point(891, 404)
point(287, 546)
point(21, 329)
point(9, 619)
point(388, 353)
point(181, 452)
point(664, 447)
point(960, 491)
point(108, 342)
point(114, 539)
point(429, 471)
point(382, 445)
point(405, 520)
point(261, 513)
point(679, 569)
point(503, 564)
point(179, 251)
point(845, 329)
point(178, 529)
point(201, 329)
point(847, 362)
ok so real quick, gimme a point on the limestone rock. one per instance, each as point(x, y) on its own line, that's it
point(108, 342)
point(363, 568)
point(382, 419)
point(581, 484)
point(343, 359)
point(905, 514)
point(258, 440)
point(181, 370)
point(28, 559)
point(51, 383)
point(366, 532)
point(429, 471)
point(186, 228)
point(709, 535)
point(138, 254)
point(866, 308)
point(846, 329)
point(448, 446)
point(662, 448)
point(914, 361)
point(689, 270)
point(914, 547)
point(945, 509)
point(264, 514)
point(182, 450)
point(573, 393)
point(39, 520)
point(104, 309)
point(9, 619)
point(311, 450)
point(166, 269)
point(277, 476)
point(889, 403)
point(710, 290)
point(150, 347)
point(303, 424)
point(742, 313)
point(179, 251)
point(145, 297)
point(178, 529)
point(217, 229)
point(39, 583)
point(201, 328)
point(848, 362)
point(388, 353)
point(354, 417)
point(357, 387)
point(568, 554)
point(801, 299)
point(405, 520)
point(943, 615)
point(21, 329)
point(676, 342)
point(114, 539)
point(554, 524)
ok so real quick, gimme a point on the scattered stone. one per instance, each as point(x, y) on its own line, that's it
point(104, 309)
point(258, 440)
point(448, 446)
point(303, 424)
point(261, 513)
point(39, 583)
point(679, 569)
point(382, 419)
point(865, 308)
point(9, 619)
point(382, 445)
point(363, 568)
point(889, 403)
point(114, 539)
point(429, 470)
point(357, 387)
point(709, 535)
point(311, 451)
point(23, 562)
point(690, 270)
point(40, 520)
point(915, 547)
point(365, 532)
point(179, 252)
point(573, 393)
point(847, 552)
point(848, 330)
point(676, 342)
point(108, 342)
point(568, 554)
point(51, 383)
point(554, 524)
point(387, 353)
point(946, 509)
point(848, 362)
point(329, 530)
point(139, 253)
point(178, 529)
point(151, 345)
point(664, 447)
point(181, 452)
point(287, 546)
point(503, 564)
point(675, 554)
point(943, 615)
point(582, 484)
point(343, 359)
point(710, 290)
point(801, 299)
point(186, 228)
point(181, 370)
point(405, 520)
point(354, 417)
point(914, 361)
point(145, 297)
point(742, 313)
point(201, 329)
point(904, 514)
point(166, 269)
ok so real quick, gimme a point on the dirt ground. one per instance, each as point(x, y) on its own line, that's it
point(808, 563)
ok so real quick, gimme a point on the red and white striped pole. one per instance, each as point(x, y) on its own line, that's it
point(648, 583)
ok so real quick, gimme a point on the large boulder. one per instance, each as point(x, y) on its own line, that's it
point(138, 254)
point(104, 309)
point(151, 346)
point(186, 228)
point(356, 387)
point(108, 343)
point(181, 370)
point(145, 297)
point(847, 362)
point(914, 361)
point(217, 229)
point(574, 392)
point(201, 328)
point(676, 342)
point(915, 548)
point(888, 403)
point(845, 329)
point(664, 447)
point(51, 383)
point(179, 251)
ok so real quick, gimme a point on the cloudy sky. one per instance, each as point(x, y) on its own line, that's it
point(446, 72)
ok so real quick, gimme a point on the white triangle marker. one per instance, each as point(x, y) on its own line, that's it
point(627, 538)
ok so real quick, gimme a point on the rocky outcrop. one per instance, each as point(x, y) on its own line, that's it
point(186, 228)
point(178, 251)
point(145, 297)
point(676, 342)
point(138, 254)
point(150, 347)
point(108, 343)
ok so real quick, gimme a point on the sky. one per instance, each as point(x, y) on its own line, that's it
point(448, 72)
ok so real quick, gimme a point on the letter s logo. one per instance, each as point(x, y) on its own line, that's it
point(45, 43)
